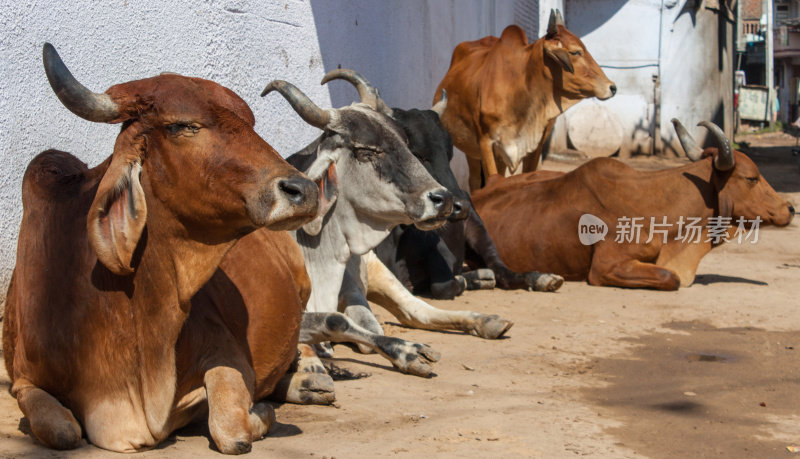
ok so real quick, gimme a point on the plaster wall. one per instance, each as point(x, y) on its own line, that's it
point(404, 47)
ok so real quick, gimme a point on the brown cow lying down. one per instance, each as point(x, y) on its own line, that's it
point(96, 337)
point(553, 222)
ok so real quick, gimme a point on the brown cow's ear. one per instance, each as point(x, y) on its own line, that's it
point(119, 211)
point(556, 51)
point(328, 193)
point(724, 203)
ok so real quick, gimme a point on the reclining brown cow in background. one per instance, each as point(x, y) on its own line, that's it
point(535, 218)
point(505, 94)
point(96, 337)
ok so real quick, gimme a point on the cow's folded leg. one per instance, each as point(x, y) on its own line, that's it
point(353, 302)
point(633, 274)
point(408, 357)
point(543, 282)
point(363, 316)
point(233, 420)
point(449, 289)
point(387, 291)
point(307, 382)
point(480, 279)
point(51, 423)
point(444, 284)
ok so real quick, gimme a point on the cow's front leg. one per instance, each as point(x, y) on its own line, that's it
point(481, 244)
point(474, 166)
point(408, 357)
point(306, 382)
point(479, 279)
point(633, 274)
point(51, 423)
point(487, 157)
point(387, 291)
point(233, 420)
point(353, 303)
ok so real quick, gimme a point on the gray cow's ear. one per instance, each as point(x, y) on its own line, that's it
point(328, 183)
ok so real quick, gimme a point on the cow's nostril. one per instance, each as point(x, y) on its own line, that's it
point(613, 89)
point(457, 207)
point(293, 189)
point(442, 200)
point(791, 209)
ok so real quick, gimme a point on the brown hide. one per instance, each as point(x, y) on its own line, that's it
point(248, 314)
point(503, 93)
point(533, 217)
point(109, 258)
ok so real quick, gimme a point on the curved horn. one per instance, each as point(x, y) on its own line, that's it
point(88, 105)
point(441, 106)
point(559, 18)
point(724, 160)
point(304, 107)
point(366, 91)
point(552, 23)
point(687, 141)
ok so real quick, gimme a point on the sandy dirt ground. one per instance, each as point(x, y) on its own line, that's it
point(708, 371)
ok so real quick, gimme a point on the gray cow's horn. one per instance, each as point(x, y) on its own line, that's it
point(366, 91)
point(79, 100)
point(304, 107)
point(724, 160)
point(687, 141)
point(441, 106)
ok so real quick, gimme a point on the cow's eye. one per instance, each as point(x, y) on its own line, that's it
point(576, 52)
point(752, 180)
point(365, 154)
point(187, 129)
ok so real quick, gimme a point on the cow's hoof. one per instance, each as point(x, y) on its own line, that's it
point(419, 363)
point(411, 358)
point(491, 327)
point(323, 350)
point(544, 282)
point(305, 389)
point(235, 447)
point(480, 279)
point(262, 418)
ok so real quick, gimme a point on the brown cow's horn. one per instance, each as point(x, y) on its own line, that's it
point(366, 91)
point(724, 160)
point(687, 142)
point(441, 106)
point(88, 105)
point(559, 18)
point(304, 107)
point(552, 23)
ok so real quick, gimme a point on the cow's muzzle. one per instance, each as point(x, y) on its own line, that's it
point(437, 206)
point(287, 204)
point(460, 209)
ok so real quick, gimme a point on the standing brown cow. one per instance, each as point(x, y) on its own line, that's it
point(96, 337)
point(536, 219)
point(505, 94)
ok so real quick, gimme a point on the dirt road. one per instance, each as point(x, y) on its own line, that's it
point(710, 370)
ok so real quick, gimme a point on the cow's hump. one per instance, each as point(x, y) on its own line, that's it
point(467, 48)
point(513, 35)
point(54, 174)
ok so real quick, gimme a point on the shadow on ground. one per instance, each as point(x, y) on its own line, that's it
point(701, 391)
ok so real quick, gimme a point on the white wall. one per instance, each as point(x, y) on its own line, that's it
point(696, 76)
point(404, 47)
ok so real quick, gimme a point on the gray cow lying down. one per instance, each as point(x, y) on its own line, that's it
point(370, 182)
